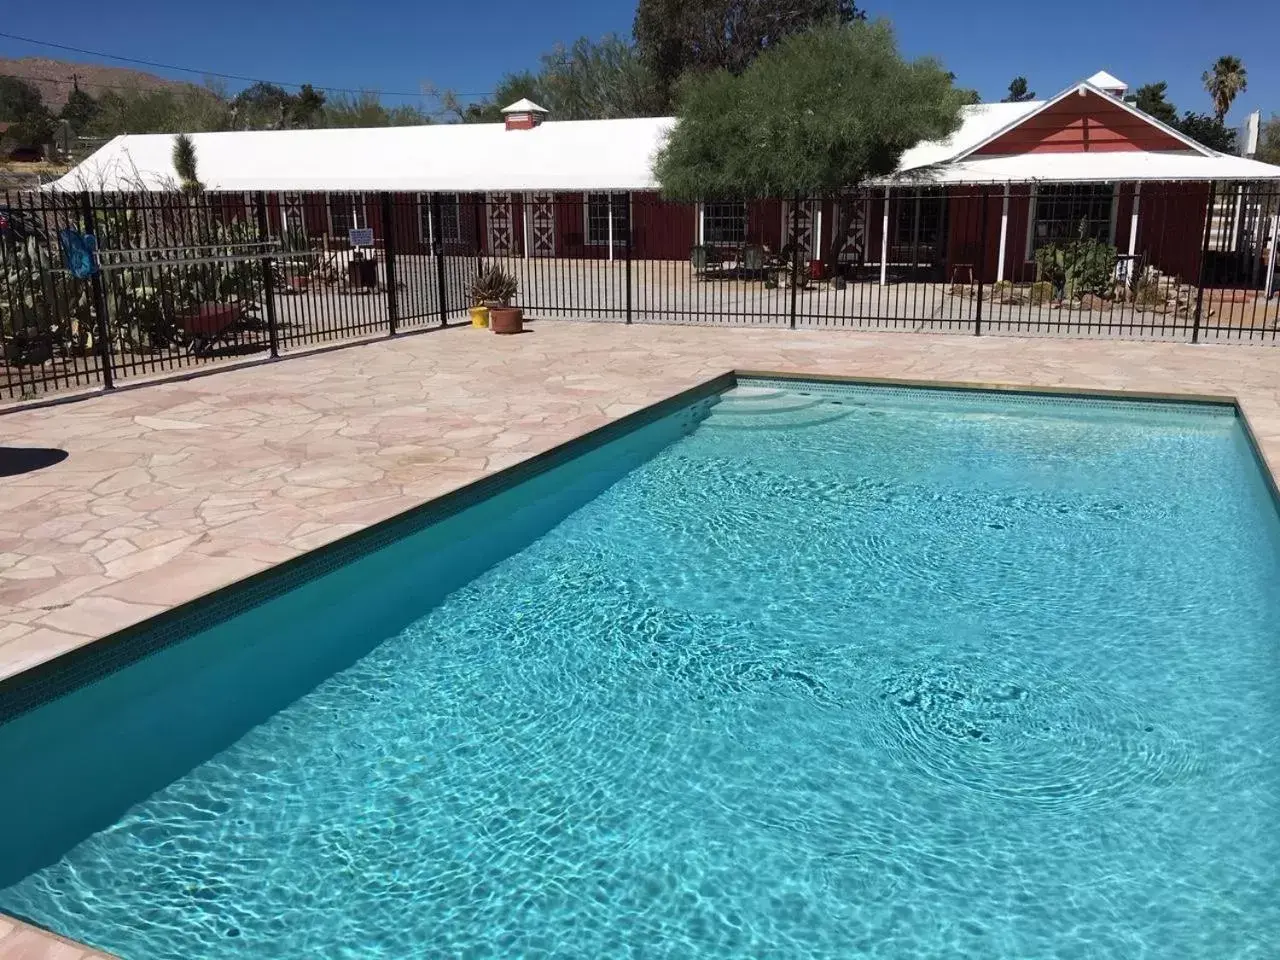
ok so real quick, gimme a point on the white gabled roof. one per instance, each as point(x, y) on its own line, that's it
point(566, 155)
point(593, 155)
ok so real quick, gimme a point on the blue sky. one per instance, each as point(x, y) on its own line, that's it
point(399, 45)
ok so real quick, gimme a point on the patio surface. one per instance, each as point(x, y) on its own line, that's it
point(172, 490)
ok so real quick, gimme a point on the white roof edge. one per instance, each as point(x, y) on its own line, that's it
point(1107, 81)
point(1085, 85)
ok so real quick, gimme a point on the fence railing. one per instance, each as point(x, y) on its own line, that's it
point(183, 281)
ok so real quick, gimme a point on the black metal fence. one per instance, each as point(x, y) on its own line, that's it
point(184, 281)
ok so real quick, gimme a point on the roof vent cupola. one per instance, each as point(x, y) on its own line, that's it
point(524, 114)
point(1109, 84)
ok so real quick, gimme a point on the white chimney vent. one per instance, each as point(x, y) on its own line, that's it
point(524, 114)
point(1108, 84)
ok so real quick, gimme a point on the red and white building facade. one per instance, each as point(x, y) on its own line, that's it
point(1014, 176)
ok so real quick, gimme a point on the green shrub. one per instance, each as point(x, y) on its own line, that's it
point(1042, 291)
point(1077, 267)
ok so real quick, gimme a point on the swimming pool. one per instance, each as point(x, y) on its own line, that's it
point(802, 670)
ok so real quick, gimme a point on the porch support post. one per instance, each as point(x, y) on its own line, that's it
point(609, 201)
point(884, 241)
point(816, 242)
point(1004, 233)
point(1133, 223)
point(1271, 259)
point(527, 208)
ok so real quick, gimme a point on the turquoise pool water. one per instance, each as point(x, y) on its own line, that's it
point(836, 672)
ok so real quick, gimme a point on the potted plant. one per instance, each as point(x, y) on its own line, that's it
point(493, 289)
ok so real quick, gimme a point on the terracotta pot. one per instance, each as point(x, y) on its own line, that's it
point(506, 319)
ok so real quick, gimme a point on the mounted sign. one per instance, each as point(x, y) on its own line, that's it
point(362, 237)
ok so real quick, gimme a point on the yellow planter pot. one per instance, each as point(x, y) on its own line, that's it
point(480, 316)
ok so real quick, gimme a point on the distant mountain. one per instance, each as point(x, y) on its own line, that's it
point(54, 78)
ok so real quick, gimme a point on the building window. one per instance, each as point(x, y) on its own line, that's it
point(917, 227)
point(724, 223)
point(449, 229)
point(346, 212)
point(598, 218)
point(1061, 211)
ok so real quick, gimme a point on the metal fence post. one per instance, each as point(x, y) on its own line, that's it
point(630, 214)
point(389, 255)
point(982, 260)
point(268, 276)
point(795, 260)
point(99, 296)
point(1204, 258)
point(437, 248)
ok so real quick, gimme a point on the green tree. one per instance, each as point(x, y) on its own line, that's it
point(1150, 99)
point(307, 109)
point(588, 80)
point(1210, 131)
point(1269, 140)
point(675, 36)
point(1018, 92)
point(181, 109)
point(261, 106)
point(367, 110)
point(79, 110)
point(825, 111)
point(22, 107)
point(1225, 81)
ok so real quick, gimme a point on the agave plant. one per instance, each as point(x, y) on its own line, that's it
point(493, 285)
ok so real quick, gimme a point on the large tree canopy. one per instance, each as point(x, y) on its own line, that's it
point(824, 111)
point(675, 36)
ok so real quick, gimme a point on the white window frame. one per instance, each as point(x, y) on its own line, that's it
point(703, 218)
point(359, 212)
point(426, 224)
point(619, 231)
point(1029, 248)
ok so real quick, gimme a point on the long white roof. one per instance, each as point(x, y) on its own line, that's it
point(565, 155)
point(586, 155)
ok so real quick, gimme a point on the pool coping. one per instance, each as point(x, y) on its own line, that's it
point(28, 689)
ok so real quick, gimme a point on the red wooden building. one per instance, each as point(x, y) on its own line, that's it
point(1013, 177)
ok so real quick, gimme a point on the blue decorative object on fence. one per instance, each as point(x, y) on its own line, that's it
point(79, 252)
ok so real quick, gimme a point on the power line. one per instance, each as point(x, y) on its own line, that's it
point(213, 73)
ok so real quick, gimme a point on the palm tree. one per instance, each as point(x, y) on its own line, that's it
point(1227, 78)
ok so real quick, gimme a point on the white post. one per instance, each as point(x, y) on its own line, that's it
point(884, 241)
point(817, 232)
point(698, 226)
point(1004, 233)
point(609, 200)
point(1271, 260)
point(1133, 223)
point(528, 224)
